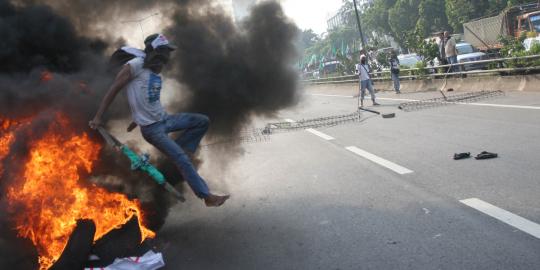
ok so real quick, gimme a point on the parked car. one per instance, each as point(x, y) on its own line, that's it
point(316, 75)
point(529, 42)
point(467, 53)
point(409, 60)
point(333, 67)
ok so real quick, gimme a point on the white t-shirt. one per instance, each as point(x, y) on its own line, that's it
point(450, 48)
point(144, 93)
point(363, 73)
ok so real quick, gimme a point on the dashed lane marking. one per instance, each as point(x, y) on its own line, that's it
point(313, 131)
point(379, 160)
point(320, 134)
point(504, 216)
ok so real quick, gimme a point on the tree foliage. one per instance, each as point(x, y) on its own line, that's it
point(431, 17)
point(412, 24)
point(462, 11)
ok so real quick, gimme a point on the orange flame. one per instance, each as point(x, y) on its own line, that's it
point(6, 138)
point(5, 142)
point(52, 197)
point(46, 76)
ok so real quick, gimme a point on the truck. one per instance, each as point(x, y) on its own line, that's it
point(484, 33)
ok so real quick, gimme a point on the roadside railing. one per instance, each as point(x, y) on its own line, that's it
point(436, 72)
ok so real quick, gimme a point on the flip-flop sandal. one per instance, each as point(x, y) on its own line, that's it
point(459, 156)
point(486, 155)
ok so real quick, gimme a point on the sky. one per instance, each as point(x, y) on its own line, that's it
point(311, 14)
point(307, 14)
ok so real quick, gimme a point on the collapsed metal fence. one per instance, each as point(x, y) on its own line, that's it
point(327, 121)
point(255, 135)
point(449, 100)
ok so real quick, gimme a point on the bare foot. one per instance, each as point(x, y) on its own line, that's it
point(215, 200)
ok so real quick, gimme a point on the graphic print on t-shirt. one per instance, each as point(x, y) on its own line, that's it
point(154, 88)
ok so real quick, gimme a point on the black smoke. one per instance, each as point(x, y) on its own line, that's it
point(30, 38)
point(93, 17)
point(232, 73)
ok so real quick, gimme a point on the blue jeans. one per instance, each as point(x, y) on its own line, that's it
point(452, 60)
point(194, 127)
point(395, 79)
point(369, 85)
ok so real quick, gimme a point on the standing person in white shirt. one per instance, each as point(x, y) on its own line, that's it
point(451, 51)
point(362, 70)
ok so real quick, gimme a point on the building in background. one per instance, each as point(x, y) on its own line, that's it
point(340, 18)
point(336, 21)
point(363, 5)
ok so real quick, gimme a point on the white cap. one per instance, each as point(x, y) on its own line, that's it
point(158, 40)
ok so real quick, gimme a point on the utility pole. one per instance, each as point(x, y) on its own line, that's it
point(359, 26)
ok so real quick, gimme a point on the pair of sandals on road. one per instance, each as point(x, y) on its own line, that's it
point(483, 155)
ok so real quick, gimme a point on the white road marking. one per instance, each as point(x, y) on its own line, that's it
point(325, 95)
point(381, 161)
point(504, 216)
point(320, 134)
point(313, 131)
point(365, 97)
point(470, 104)
point(502, 106)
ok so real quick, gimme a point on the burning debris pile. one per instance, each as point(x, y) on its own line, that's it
point(50, 195)
point(53, 75)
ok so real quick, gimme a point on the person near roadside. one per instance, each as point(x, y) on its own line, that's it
point(450, 51)
point(442, 47)
point(365, 81)
point(394, 70)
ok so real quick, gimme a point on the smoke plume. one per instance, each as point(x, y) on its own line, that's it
point(233, 73)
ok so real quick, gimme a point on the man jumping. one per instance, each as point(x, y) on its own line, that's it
point(140, 76)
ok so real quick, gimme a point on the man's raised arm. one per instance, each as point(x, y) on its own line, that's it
point(121, 80)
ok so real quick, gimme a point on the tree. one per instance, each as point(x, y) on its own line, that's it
point(308, 38)
point(346, 11)
point(462, 11)
point(402, 18)
point(431, 17)
point(376, 17)
point(517, 2)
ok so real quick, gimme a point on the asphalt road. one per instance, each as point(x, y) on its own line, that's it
point(300, 201)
